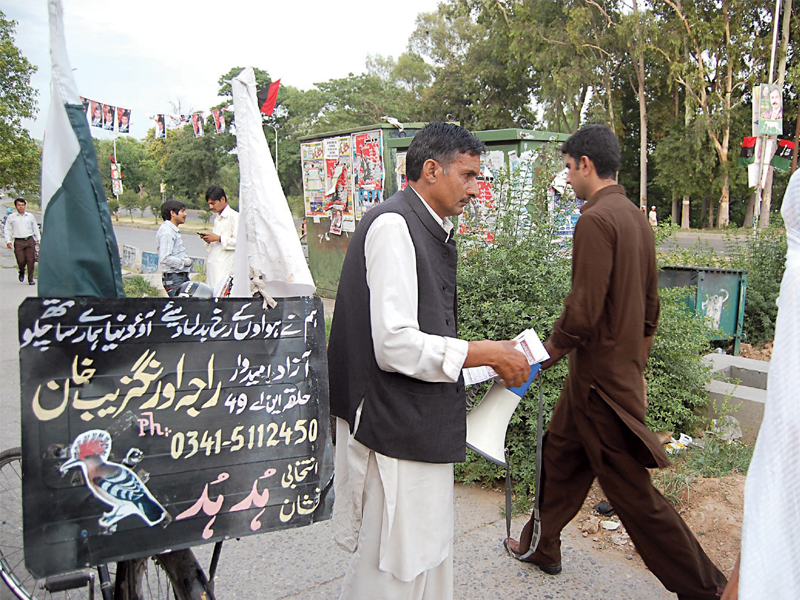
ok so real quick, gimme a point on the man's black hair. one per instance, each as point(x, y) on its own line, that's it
point(599, 144)
point(442, 142)
point(215, 193)
point(169, 207)
point(20, 200)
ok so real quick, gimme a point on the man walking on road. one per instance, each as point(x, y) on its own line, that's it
point(597, 428)
point(22, 230)
point(221, 243)
point(175, 262)
point(395, 378)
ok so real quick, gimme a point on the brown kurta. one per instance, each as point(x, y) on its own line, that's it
point(598, 429)
point(613, 306)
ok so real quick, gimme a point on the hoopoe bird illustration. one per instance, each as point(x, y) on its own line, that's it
point(112, 483)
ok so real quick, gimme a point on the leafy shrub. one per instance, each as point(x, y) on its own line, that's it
point(676, 377)
point(519, 281)
point(137, 286)
point(763, 255)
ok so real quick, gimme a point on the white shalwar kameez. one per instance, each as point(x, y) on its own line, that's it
point(770, 561)
point(219, 265)
point(396, 516)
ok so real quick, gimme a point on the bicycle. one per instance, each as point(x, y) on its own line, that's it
point(173, 575)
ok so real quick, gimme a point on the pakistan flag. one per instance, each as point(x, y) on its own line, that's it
point(78, 254)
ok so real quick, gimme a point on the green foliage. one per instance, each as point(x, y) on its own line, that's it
point(763, 255)
point(19, 158)
point(205, 215)
point(113, 207)
point(129, 202)
point(711, 457)
point(676, 377)
point(137, 286)
point(297, 206)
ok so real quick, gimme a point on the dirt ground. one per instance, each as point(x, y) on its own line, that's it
point(711, 507)
point(748, 351)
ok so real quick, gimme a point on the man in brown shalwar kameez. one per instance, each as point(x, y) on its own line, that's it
point(597, 428)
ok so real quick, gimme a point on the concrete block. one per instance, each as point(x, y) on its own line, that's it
point(747, 397)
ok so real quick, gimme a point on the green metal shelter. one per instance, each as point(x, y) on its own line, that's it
point(357, 168)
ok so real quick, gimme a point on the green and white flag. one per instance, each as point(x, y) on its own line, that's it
point(78, 255)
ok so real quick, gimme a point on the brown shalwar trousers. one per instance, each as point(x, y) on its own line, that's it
point(24, 249)
point(608, 450)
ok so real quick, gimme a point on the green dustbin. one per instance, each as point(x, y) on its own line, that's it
point(719, 297)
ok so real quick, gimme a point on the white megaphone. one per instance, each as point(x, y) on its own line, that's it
point(487, 423)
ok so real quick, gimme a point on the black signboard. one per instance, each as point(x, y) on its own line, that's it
point(155, 424)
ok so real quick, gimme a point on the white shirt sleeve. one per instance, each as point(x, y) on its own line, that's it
point(35, 229)
point(7, 229)
point(399, 345)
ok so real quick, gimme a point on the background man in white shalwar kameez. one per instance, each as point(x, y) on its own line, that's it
point(221, 243)
point(769, 564)
point(395, 378)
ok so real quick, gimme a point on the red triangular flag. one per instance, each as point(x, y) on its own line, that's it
point(268, 105)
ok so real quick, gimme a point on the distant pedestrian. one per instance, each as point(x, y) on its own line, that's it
point(653, 217)
point(21, 229)
point(221, 243)
point(175, 262)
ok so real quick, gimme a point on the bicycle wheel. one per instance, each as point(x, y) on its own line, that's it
point(175, 575)
point(171, 576)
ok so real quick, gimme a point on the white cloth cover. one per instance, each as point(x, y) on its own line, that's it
point(273, 246)
point(770, 544)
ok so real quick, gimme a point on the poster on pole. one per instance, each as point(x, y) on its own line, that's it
point(156, 424)
point(770, 109)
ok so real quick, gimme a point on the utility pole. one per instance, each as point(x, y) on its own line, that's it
point(764, 188)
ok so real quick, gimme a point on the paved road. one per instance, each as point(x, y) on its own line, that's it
point(145, 239)
point(686, 239)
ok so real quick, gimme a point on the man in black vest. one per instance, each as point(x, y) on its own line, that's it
point(395, 377)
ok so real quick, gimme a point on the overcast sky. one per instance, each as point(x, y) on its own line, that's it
point(145, 54)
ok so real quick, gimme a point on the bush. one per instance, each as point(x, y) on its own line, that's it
point(137, 286)
point(676, 377)
point(763, 255)
point(520, 281)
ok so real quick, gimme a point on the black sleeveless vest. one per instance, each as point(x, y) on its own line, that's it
point(402, 417)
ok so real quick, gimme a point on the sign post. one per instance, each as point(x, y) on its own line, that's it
point(153, 424)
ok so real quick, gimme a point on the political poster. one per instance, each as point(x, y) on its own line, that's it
point(109, 117)
point(123, 120)
point(96, 114)
point(368, 171)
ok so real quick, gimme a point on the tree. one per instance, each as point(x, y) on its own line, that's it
point(129, 201)
point(19, 158)
point(113, 207)
point(478, 79)
point(722, 50)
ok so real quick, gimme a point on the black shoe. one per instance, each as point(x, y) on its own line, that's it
point(21, 277)
point(512, 546)
point(31, 283)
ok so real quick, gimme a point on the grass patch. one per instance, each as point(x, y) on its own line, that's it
point(716, 458)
